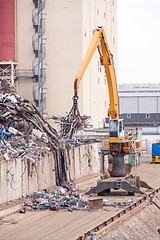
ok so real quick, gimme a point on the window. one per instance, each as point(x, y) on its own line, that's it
point(113, 2)
point(99, 66)
point(113, 40)
point(104, 14)
point(120, 127)
point(113, 128)
point(97, 11)
point(98, 80)
point(113, 19)
point(128, 115)
point(147, 115)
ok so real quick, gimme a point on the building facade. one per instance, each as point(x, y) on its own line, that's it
point(51, 39)
point(140, 106)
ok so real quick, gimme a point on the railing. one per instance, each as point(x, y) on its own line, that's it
point(39, 49)
point(36, 11)
point(24, 73)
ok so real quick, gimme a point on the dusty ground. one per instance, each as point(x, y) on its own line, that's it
point(12, 203)
point(70, 225)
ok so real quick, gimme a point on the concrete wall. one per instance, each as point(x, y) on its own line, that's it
point(18, 176)
point(84, 160)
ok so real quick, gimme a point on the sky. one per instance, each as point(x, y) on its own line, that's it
point(138, 41)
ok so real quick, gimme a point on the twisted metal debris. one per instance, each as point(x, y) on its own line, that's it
point(19, 119)
point(71, 123)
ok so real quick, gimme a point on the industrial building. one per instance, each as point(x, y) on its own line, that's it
point(140, 106)
point(42, 46)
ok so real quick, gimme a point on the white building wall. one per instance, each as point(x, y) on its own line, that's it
point(23, 44)
point(128, 104)
point(139, 99)
point(139, 104)
point(64, 52)
point(69, 28)
point(147, 104)
point(94, 84)
point(158, 107)
point(23, 33)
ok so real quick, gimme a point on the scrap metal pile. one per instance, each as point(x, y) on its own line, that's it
point(60, 199)
point(24, 132)
point(55, 200)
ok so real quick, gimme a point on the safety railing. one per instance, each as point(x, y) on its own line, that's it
point(38, 42)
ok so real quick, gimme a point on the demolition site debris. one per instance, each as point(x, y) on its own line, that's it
point(72, 122)
point(55, 200)
point(63, 200)
point(24, 133)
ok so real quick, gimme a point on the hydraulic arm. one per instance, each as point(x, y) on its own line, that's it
point(99, 41)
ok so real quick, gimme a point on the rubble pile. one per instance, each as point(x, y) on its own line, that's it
point(62, 199)
point(55, 200)
point(24, 132)
point(17, 144)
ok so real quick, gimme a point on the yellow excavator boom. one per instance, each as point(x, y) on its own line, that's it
point(99, 38)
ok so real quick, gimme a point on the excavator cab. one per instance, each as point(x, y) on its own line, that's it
point(116, 128)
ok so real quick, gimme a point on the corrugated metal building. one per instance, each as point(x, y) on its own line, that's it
point(140, 106)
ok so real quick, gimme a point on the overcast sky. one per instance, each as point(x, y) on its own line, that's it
point(138, 41)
